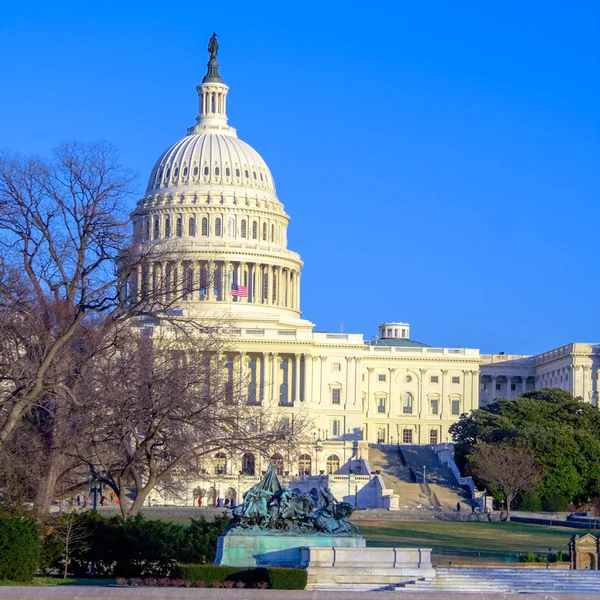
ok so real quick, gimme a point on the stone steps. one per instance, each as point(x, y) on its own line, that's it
point(506, 580)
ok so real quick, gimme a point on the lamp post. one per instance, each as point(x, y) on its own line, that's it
point(318, 446)
point(95, 487)
point(424, 476)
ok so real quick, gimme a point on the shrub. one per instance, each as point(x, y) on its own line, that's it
point(20, 547)
point(528, 558)
point(277, 578)
point(132, 548)
point(200, 540)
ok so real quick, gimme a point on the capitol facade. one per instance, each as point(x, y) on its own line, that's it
point(211, 200)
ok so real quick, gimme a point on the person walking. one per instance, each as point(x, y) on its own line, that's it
point(458, 506)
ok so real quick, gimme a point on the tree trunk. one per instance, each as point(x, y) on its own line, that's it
point(56, 442)
point(509, 499)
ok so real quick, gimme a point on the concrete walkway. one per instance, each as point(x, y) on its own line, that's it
point(118, 593)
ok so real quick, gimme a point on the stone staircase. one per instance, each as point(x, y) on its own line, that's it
point(440, 478)
point(396, 476)
point(462, 580)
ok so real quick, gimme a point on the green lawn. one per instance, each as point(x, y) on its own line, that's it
point(461, 541)
point(472, 540)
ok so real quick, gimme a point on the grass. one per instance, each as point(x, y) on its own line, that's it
point(42, 581)
point(481, 541)
point(460, 541)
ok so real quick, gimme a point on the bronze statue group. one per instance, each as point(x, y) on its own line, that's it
point(272, 507)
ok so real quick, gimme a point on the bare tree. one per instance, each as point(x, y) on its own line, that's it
point(72, 532)
point(63, 231)
point(160, 401)
point(513, 469)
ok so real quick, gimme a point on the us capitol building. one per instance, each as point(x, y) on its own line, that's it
point(215, 195)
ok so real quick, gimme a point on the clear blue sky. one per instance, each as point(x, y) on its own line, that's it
point(440, 160)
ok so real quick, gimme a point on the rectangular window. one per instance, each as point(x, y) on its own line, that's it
point(455, 404)
point(513, 387)
point(336, 366)
point(336, 396)
point(407, 436)
point(497, 387)
point(381, 405)
point(433, 436)
point(435, 379)
point(435, 406)
point(381, 435)
point(335, 428)
point(456, 380)
point(381, 377)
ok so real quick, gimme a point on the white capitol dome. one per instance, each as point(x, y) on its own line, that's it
point(211, 205)
point(210, 159)
point(211, 155)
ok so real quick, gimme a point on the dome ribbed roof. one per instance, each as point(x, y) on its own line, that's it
point(205, 159)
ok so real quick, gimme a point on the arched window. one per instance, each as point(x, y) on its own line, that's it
point(204, 226)
point(220, 463)
point(304, 464)
point(243, 228)
point(156, 228)
point(407, 403)
point(277, 461)
point(254, 230)
point(264, 237)
point(218, 227)
point(168, 227)
point(248, 464)
point(272, 233)
point(179, 226)
point(333, 464)
point(231, 227)
point(192, 227)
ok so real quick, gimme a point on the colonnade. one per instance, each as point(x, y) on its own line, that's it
point(208, 280)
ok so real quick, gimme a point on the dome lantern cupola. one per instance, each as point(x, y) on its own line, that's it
point(212, 94)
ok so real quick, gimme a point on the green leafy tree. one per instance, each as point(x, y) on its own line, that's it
point(563, 432)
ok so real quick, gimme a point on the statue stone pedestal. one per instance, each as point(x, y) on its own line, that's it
point(239, 548)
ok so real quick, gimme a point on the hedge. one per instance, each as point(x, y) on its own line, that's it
point(278, 578)
point(19, 548)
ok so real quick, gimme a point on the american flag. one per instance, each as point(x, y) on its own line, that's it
point(239, 290)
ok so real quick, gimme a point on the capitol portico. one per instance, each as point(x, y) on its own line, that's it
point(211, 204)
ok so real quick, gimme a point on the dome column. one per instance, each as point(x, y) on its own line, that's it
point(269, 298)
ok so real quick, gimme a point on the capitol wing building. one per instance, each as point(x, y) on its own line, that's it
point(214, 196)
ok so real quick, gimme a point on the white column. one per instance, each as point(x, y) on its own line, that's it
point(323, 395)
point(262, 378)
point(298, 290)
point(296, 378)
point(243, 388)
point(269, 285)
point(422, 410)
point(274, 364)
point(349, 395)
point(369, 389)
point(391, 398)
point(357, 382)
point(308, 367)
point(493, 392)
point(444, 390)
point(508, 382)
